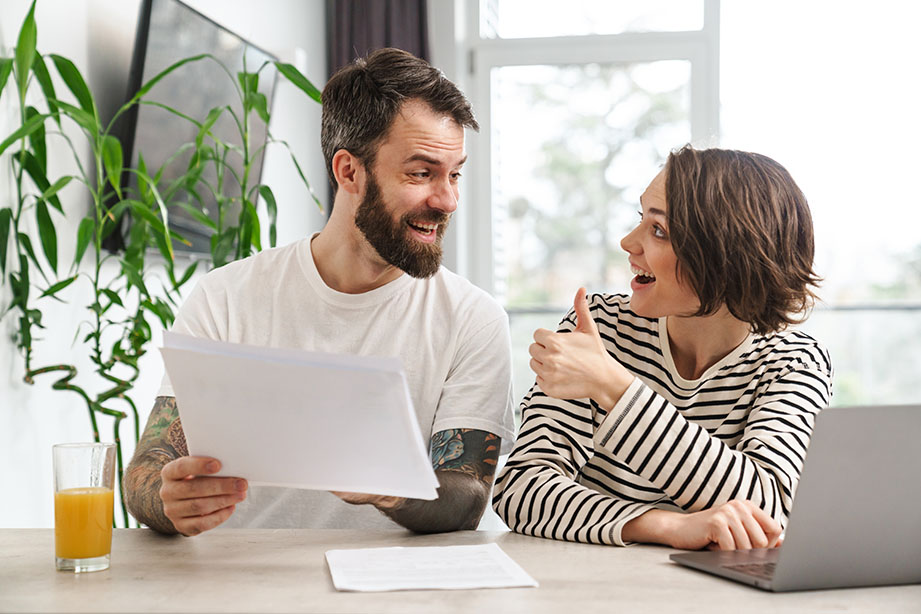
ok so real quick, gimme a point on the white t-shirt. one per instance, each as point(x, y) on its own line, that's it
point(452, 338)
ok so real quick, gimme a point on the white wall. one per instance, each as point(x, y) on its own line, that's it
point(32, 418)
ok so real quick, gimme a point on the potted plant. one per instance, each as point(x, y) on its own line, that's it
point(130, 288)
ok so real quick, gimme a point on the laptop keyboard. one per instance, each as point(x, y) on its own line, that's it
point(759, 570)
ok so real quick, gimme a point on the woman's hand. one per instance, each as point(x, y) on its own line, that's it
point(735, 525)
point(576, 365)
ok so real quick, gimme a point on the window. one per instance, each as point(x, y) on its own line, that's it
point(578, 110)
point(579, 103)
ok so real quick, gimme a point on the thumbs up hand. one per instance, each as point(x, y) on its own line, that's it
point(576, 365)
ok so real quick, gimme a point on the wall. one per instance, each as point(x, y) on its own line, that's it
point(97, 35)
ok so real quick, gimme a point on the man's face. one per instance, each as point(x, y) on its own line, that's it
point(411, 189)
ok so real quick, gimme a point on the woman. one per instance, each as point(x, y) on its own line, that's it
point(680, 415)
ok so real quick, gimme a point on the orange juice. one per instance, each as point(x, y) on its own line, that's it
point(83, 522)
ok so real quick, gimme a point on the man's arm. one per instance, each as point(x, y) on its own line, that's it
point(163, 441)
point(465, 463)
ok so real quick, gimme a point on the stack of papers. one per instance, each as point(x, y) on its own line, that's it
point(300, 419)
point(449, 567)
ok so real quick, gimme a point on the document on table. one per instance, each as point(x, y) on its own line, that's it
point(301, 419)
point(425, 568)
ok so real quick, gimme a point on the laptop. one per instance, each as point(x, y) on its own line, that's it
point(856, 517)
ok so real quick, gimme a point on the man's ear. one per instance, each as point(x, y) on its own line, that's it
point(348, 171)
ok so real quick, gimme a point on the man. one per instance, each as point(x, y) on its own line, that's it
point(370, 283)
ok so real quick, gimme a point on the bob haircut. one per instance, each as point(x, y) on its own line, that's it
point(361, 101)
point(742, 234)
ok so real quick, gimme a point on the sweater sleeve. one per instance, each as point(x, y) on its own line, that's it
point(536, 492)
point(697, 470)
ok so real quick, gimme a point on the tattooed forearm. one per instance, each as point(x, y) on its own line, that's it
point(162, 442)
point(465, 463)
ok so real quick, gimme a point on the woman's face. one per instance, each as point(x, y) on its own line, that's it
point(657, 291)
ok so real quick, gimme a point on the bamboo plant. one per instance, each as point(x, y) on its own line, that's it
point(129, 288)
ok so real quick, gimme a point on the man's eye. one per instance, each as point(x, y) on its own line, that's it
point(455, 176)
point(419, 174)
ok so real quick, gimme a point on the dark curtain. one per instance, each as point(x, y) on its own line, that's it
point(357, 27)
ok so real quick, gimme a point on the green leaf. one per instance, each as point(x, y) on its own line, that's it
point(57, 187)
point(113, 161)
point(213, 116)
point(113, 296)
point(293, 75)
point(37, 140)
point(187, 275)
point(6, 68)
point(221, 246)
point(252, 219)
point(272, 209)
point(84, 235)
point(25, 51)
point(86, 120)
point(75, 83)
point(146, 87)
point(134, 277)
point(31, 125)
point(47, 234)
point(200, 217)
point(37, 173)
point(26, 243)
point(6, 220)
point(58, 286)
point(249, 82)
point(258, 102)
point(44, 80)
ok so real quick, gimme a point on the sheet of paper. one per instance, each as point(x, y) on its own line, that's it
point(300, 419)
point(425, 568)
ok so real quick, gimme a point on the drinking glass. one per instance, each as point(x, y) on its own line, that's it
point(84, 479)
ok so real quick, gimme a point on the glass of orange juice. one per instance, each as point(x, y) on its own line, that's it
point(84, 480)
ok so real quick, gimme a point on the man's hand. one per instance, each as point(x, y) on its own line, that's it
point(576, 365)
point(735, 525)
point(193, 502)
point(381, 502)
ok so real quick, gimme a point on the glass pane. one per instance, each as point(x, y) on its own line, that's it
point(851, 144)
point(542, 18)
point(573, 149)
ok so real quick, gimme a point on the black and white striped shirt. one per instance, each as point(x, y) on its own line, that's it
point(741, 430)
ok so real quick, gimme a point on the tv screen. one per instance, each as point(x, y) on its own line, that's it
point(169, 31)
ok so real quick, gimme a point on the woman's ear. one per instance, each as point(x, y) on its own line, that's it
point(348, 171)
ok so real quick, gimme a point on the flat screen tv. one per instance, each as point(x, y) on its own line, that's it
point(167, 32)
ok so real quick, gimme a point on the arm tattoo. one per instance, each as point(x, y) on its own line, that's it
point(465, 463)
point(162, 442)
point(466, 450)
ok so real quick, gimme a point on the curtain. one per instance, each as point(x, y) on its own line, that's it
point(357, 27)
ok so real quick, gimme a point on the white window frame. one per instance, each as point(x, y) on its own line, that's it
point(469, 59)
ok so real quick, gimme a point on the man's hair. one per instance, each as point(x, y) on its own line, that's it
point(742, 232)
point(361, 101)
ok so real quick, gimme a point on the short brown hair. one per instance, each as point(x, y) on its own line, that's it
point(742, 232)
point(361, 101)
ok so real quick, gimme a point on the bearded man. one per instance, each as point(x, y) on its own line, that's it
point(370, 283)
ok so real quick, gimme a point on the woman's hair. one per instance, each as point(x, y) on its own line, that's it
point(742, 233)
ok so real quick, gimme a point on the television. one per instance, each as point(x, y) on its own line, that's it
point(167, 32)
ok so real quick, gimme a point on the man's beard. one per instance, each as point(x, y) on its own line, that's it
point(391, 237)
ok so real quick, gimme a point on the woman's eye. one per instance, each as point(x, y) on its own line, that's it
point(658, 232)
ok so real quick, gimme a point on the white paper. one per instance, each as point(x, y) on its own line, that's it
point(425, 568)
point(300, 419)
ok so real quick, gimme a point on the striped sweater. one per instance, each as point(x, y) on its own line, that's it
point(741, 430)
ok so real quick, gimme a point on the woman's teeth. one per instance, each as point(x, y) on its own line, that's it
point(641, 273)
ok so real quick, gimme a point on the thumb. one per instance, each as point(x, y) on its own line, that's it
point(584, 321)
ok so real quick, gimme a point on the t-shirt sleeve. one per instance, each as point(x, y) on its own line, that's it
point(477, 393)
point(196, 318)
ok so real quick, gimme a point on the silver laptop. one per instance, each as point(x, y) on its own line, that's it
point(856, 518)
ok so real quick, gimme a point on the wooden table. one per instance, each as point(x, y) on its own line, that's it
point(285, 571)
